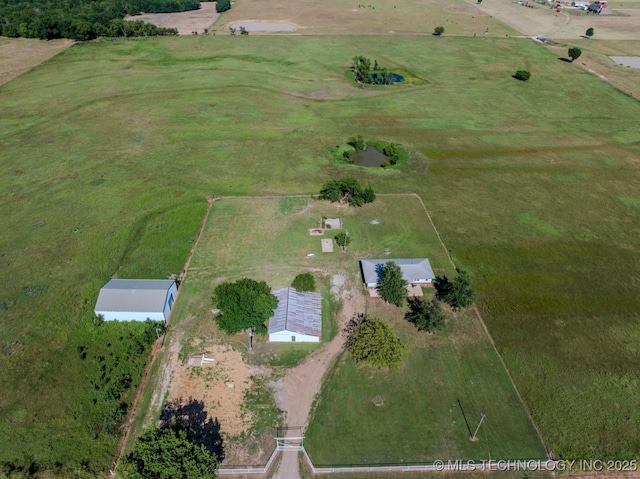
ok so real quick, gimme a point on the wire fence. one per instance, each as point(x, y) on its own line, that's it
point(436, 466)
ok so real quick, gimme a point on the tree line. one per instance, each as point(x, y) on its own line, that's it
point(84, 19)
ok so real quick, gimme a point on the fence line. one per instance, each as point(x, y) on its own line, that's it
point(438, 466)
point(250, 469)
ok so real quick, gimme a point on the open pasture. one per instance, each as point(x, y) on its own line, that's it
point(428, 408)
point(373, 17)
point(534, 187)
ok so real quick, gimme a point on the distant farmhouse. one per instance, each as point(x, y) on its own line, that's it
point(298, 317)
point(136, 300)
point(416, 271)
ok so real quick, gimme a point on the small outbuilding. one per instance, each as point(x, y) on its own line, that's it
point(298, 317)
point(415, 271)
point(136, 299)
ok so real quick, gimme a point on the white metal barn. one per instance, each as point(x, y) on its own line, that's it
point(298, 317)
point(414, 270)
point(136, 299)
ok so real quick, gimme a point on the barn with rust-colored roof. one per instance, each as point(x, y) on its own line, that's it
point(298, 317)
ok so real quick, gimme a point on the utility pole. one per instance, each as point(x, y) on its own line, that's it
point(474, 438)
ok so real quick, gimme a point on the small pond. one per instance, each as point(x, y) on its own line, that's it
point(633, 62)
point(369, 157)
point(394, 77)
point(264, 26)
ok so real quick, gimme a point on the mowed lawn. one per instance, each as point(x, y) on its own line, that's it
point(427, 409)
point(533, 185)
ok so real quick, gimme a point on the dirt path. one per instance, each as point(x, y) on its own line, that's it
point(296, 391)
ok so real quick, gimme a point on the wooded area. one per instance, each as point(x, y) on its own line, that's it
point(84, 19)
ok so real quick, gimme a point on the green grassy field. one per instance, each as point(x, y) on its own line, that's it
point(420, 420)
point(533, 185)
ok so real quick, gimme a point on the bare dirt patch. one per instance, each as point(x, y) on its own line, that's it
point(220, 386)
point(19, 55)
point(544, 21)
point(185, 22)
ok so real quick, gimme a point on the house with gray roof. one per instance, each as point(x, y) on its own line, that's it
point(416, 271)
point(298, 317)
point(136, 299)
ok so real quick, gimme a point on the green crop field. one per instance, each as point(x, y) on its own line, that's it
point(533, 185)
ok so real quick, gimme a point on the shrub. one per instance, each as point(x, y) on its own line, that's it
point(357, 142)
point(589, 32)
point(522, 75)
point(304, 282)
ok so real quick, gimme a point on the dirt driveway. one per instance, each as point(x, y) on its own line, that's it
point(295, 392)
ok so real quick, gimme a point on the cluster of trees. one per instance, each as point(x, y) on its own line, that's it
point(392, 151)
point(457, 293)
point(364, 72)
point(244, 304)
point(84, 19)
point(426, 316)
point(223, 6)
point(186, 445)
point(347, 190)
point(374, 342)
point(168, 453)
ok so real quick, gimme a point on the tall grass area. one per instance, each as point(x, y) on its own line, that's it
point(533, 185)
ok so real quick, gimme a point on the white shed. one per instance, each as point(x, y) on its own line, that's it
point(136, 299)
point(298, 317)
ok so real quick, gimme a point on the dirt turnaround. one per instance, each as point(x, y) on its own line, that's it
point(294, 393)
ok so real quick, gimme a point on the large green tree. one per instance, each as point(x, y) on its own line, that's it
point(574, 53)
point(457, 293)
point(244, 304)
point(168, 453)
point(426, 316)
point(392, 287)
point(375, 343)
